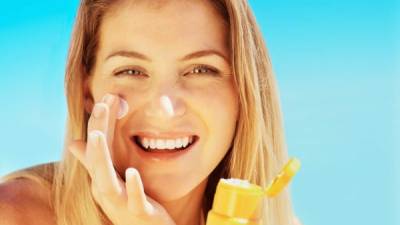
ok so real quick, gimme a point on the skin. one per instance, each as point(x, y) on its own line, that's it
point(131, 191)
point(157, 191)
point(23, 201)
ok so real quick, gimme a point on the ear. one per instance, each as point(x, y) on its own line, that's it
point(88, 101)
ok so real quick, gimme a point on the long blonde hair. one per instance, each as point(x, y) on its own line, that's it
point(258, 150)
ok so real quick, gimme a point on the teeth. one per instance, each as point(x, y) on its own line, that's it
point(166, 143)
point(185, 141)
point(146, 143)
point(152, 143)
point(170, 144)
point(178, 143)
point(160, 144)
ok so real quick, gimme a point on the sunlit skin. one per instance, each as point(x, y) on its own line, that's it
point(145, 56)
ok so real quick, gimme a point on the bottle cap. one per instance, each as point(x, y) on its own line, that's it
point(283, 178)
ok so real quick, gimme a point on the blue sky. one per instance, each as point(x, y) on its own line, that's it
point(335, 63)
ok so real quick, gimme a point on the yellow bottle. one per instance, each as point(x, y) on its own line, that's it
point(238, 202)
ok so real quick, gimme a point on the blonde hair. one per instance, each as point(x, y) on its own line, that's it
point(258, 150)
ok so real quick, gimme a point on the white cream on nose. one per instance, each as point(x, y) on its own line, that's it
point(167, 105)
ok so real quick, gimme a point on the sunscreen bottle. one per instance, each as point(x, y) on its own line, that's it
point(238, 202)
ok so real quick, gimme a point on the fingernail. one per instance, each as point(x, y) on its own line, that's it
point(97, 111)
point(130, 172)
point(123, 108)
point(108, 98)
point(94, 137)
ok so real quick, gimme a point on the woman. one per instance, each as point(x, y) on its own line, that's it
point(164, 99)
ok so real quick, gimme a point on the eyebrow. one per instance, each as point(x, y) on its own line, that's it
point(198, 54)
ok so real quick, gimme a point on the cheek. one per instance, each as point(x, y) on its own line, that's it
point(218, 101)
point(219, 104)
point(218, 108)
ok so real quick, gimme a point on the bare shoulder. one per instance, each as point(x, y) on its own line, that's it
point(23, 201)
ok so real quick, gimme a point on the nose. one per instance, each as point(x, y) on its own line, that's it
point(165, 106)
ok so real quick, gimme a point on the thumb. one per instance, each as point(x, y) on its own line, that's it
point(137, 200)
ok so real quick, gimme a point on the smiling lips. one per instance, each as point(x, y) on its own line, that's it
point(171, 144)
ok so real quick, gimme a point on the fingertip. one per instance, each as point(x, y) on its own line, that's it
point(108, 99)
point(131, 173)
point(95, 137)
point(135, 190)
point(94, 134)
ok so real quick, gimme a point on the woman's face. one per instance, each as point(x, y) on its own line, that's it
point(150, 56)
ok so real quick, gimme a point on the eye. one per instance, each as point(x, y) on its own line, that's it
point(129, 72)
point(199, 69)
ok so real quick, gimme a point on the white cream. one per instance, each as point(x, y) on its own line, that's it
point(123, 108)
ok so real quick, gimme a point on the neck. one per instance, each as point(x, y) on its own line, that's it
point(188, 209)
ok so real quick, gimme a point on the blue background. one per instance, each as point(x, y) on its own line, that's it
point(335, 63)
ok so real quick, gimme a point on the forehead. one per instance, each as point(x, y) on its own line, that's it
point(174, 28)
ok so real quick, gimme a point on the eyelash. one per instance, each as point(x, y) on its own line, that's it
point(198, 68)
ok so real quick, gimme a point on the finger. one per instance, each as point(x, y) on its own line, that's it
point(137, 201)
point(99, 118)
point(112, 101)
point(101, 169)
point(105, 115)
point(118, 108)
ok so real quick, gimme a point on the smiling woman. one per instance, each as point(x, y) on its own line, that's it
point(164, 99)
